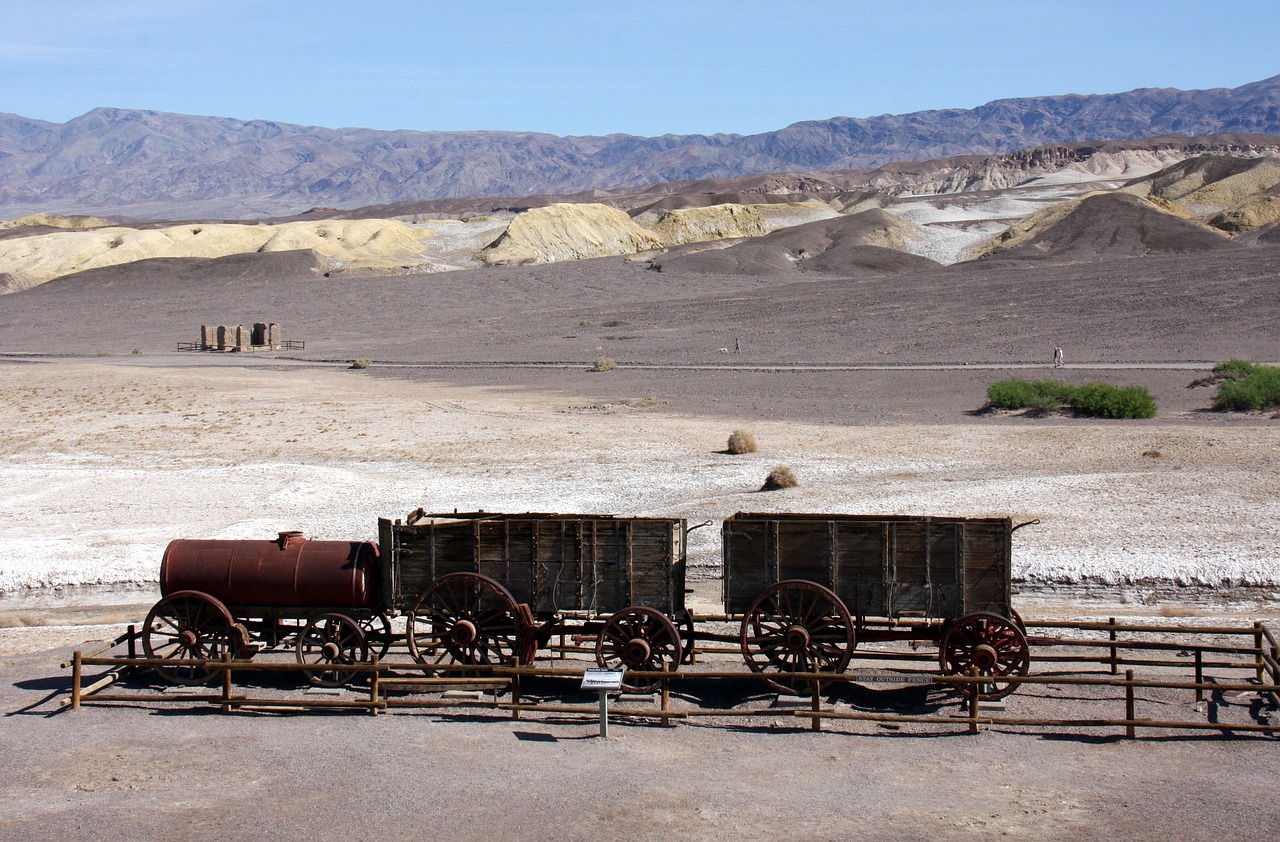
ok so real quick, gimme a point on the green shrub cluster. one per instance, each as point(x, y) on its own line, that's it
point(1103, 400)
point(1097, 400)
point(1247, 387)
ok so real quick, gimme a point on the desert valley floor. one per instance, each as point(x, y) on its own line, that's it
point(109, 454)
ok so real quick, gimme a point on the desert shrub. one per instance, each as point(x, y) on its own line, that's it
point(1255, 390)
point(1010, 394)
point(1040, 396)
point(741, 441)
point(361, 363)
point(1099, 400)
point(1103, 400)
point(604, 364)
point(780, 477)
point(1234, 369)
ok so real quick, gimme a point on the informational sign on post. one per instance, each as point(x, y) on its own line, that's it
point(602, 680)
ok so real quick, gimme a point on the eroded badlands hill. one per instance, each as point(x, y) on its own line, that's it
point(1169, 195)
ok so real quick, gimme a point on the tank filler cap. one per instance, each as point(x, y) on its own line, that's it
point(288, 539)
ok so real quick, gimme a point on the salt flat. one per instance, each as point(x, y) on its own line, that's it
point(105, 465)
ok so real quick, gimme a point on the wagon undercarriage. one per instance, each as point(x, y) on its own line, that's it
point(490, 590)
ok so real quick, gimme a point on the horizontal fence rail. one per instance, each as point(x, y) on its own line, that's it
point(388, 682)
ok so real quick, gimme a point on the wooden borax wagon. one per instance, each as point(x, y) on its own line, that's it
point(486, 588)
point(811, 586)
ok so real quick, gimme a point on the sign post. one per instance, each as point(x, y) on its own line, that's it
point(604, 681)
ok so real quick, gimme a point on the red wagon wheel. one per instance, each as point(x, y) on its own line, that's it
point(377, 630)
point(331, 641)
point(188, 626)
point(991, 643)
point(684, 625)
point(467, 618)
point(796, 626)
point(639, 638)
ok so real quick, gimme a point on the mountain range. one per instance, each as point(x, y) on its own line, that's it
point(155, 165)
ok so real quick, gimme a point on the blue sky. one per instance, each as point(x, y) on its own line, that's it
point(648, 67)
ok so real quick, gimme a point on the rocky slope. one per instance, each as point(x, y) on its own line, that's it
point(1104, 225)
point(171, 166)
point(894, 219)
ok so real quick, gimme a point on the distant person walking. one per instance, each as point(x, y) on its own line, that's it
point(1057, 357)
point(737, 346)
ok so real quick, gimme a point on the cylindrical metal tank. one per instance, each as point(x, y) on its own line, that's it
point(289, 572)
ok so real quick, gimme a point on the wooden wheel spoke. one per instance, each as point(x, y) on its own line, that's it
point(638, 638)
point(796, 626)
point(993, 644)
point(495, 625)
point(187, 625)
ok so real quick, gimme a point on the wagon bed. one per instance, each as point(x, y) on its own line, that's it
point(881, 566)
point(554, 563)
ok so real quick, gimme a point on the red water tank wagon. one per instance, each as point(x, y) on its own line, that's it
point(289, 572)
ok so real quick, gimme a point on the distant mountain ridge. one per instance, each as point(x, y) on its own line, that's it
point(151, 164)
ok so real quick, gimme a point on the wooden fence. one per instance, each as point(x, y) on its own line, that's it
point(399, 684)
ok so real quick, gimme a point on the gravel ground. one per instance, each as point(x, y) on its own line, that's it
point(150, 772)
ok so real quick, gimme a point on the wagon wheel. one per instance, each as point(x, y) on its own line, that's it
point(684, 625)
point(639, 638)
point(377, 630)
point(529, 631)
point(188, 626)
point(467, 618)
point(332, 640)
point(993, 644)
point(796, 626)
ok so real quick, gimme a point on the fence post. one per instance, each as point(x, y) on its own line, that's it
point(1115, 665)
point(1257, 646)
point(226, 682)
point(815, 704)
point(666, 694)
point(373, 686)
point(1199, 674)
point(1129, 708)
point(515, 690)
point(75, 680)
point(975, 702)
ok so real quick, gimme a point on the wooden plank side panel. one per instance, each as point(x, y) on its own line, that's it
point(860, 550)
point(987, 561)
point(505, 550)
point(389, 572)
point(945, 569)
point(750, 564)
point(909, 572)
point(562, 580)
point(425, 553)
point(657, 568)
point(610, 557)
point(804, 551)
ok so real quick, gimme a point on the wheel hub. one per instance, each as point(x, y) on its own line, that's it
point(330, 651)
point(637, 652)
point(985, 657)
point(463, 633)
point(188, 638)
point(797, 638)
